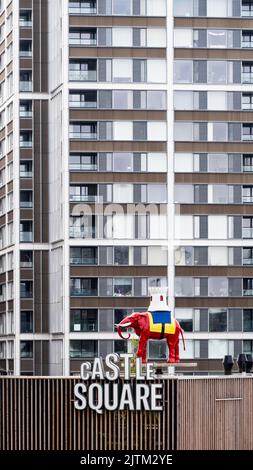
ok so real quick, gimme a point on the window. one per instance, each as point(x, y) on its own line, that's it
point(26, 324)
point(26, 289)
point(122, 99)
point(247, 132)
point(247, 194)
point(216, 72)
point(121, 7)
point(184, 316)
point(25, 48)
point(26, 169)
point(157, 131)
point(83, 70)
point(217, 348)
point(123, 162)
point(82, 7)
point(87, 193)
point(26, 199)
point(248, 347)
point(156, 37)
point(156, 8)
point(217, 163)
point(217, 38)
point(248, 286)
point(157, 193)
point(26, 349)
point(247, 8)
point(83, 255)
point(86, 99)
point(248, 320)
point(122, 70)
point(183, 70)
point(217, 8)
point(82, 226)
point(156, 71)
point(217, 320)
point(86, 130)
point(183, 287)
point(123, 192)
point(122, 37)
point(247, 39)
point(82, 287)
point(247, 72)
point(83, 37)
point(156, 100)
point(218, 287)
point(26, 139)
point(183, 131)
point(122, 130)
point(121, 255)
point(83, 349)
point(25, 18)
point(122, 287)
point(247, 227)
point(183, 37)
point(84, 320)
point(183, 8)
point(26, 259)
point(247, 163)
point(184, 193)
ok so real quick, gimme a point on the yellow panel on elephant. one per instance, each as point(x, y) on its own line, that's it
point(161, 322)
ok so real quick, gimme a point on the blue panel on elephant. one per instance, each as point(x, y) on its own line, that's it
point(162, 317)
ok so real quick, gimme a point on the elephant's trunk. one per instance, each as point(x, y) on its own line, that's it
point(119, 328)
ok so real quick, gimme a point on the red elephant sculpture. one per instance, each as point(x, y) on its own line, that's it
point(142, 323)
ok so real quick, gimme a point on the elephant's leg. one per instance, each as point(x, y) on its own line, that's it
point(142, 350)
point(171, 347)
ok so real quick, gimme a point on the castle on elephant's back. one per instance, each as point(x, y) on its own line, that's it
point(157, 323)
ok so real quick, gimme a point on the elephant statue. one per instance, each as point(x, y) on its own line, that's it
point(153, 325)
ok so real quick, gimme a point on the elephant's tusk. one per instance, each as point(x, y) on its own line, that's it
point(126, 324)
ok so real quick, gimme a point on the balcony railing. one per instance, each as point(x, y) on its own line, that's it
point(25, 53)
point(25, 23)
point(25, 86)
point(83, 261)
point(247, 137)
point(82, 104)
point(26, 174)
point(247, 261)
point(82, 198)
point(247, 78)
point(26, 143)
point(248, 292)
point(26, 264)
point(26, 204)
point(26, 294)
point(82, 11)
point(83, 135)
point(247, 199)
point(82, 233)
point(25, 114)
point(79, 292)
point(247, 233)
point(247, 168)
point(83, 75)
point(83, 42)
point(83, 167)
point(26, 236)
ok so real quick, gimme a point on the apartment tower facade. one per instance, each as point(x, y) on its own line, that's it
point(125, 162)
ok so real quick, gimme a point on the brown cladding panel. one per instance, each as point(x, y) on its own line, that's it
point(117, 21)
point(26, 304)
point(119, 115)
point(37, 291)
point(206, 271)
point(26, 63)
point(26, 124)
point(44, 46)
point(213, 54)
point(227, 116)
point(37, 171)
point(25, 3)
point(108, 52)
point(209, 302)
point(45, 291)
point(132, 271)
point(45, 358)
point(109, 302)
point(227, 23)
point(222, 178)
point(26, 365)
point(37, 353)
point(45, 175)
point(84, 177)
point(226, 209)
point(106, 146)
point(2, 278)
point(25, 33)
point(213, 147)
point(26, 154)
point(36, 45)
point(26, 183)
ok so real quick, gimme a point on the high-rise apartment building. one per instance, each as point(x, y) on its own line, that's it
point(126, 162)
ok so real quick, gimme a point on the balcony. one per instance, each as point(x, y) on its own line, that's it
point(83, 261)
point(83, 37)
point(83, 167)
point(83, 135)
point(25, 86)
point(247, 9)
point(80, 292)
point(83, 42)
point(247, 199)
point(25, 19)
point(248, 292)
point(248, 168)
point(83, 100)
point(82, 8)
point(82, 232)
point(26, 204)
point(82, 198)
point(247, 78)
point(247, 261)
point(26, 236)
point(83, 75)
point(26, 144)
